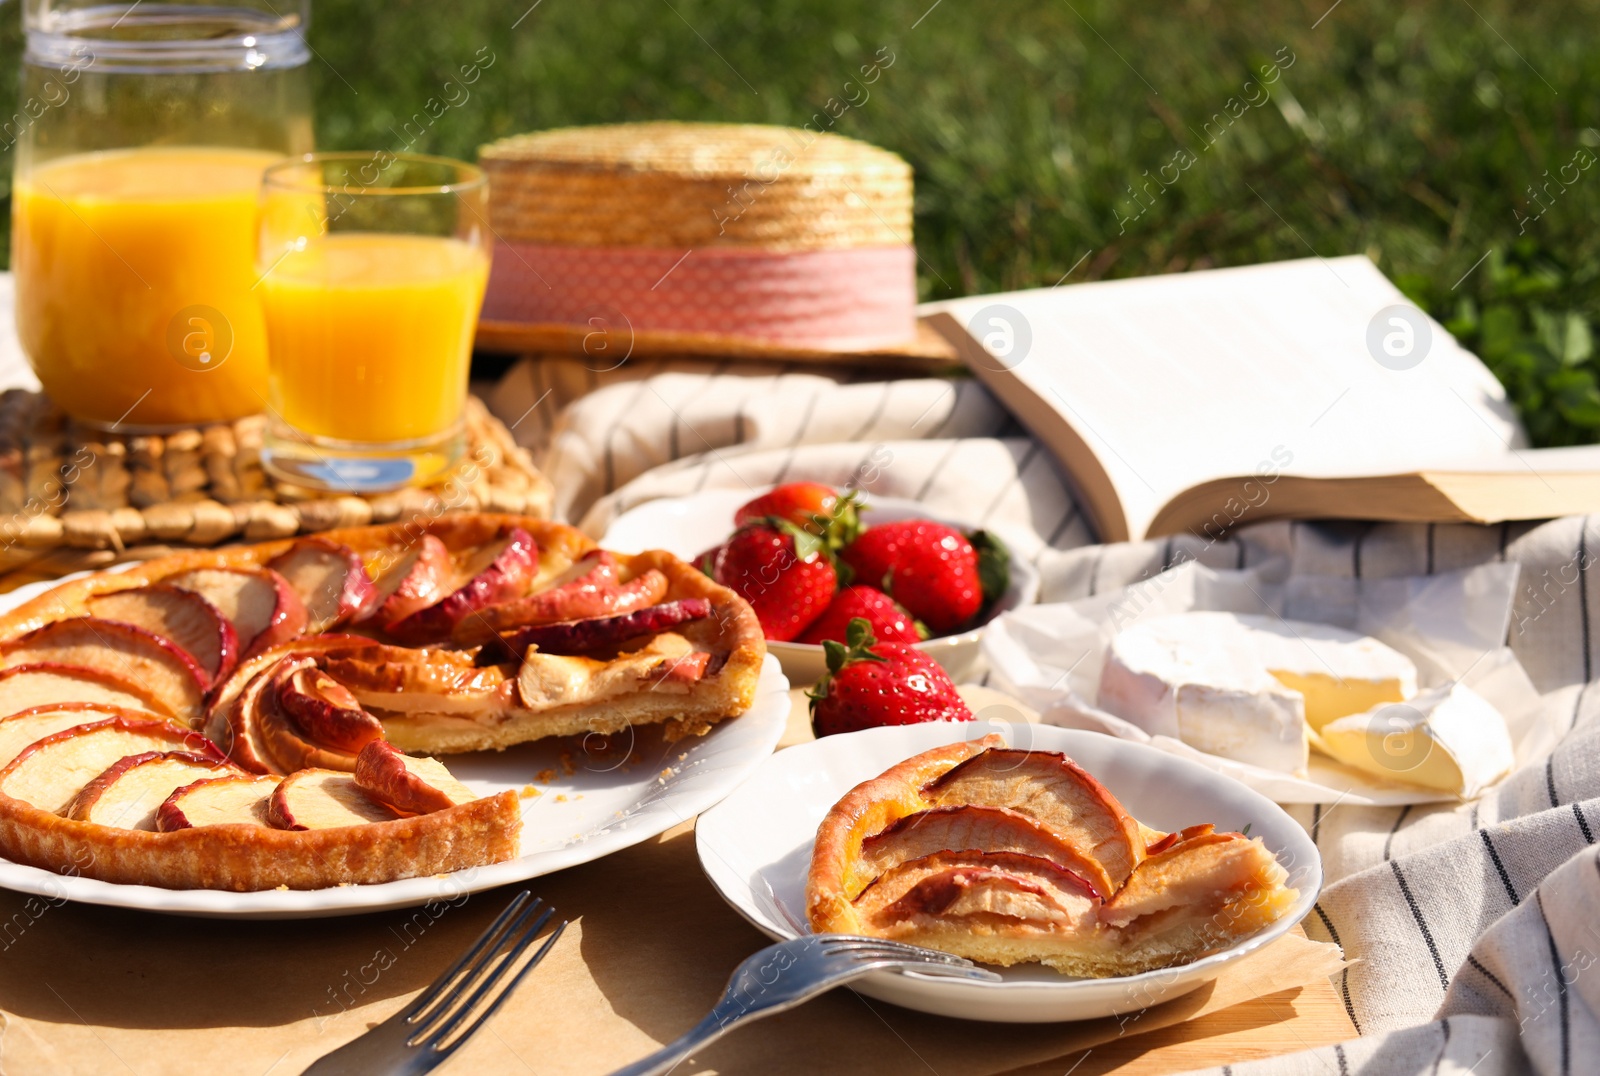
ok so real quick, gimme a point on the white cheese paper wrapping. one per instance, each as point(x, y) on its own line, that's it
point(1452, 625)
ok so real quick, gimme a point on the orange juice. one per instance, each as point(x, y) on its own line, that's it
point(134, 274)
point(371, 334)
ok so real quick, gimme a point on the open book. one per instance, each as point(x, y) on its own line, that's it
point(1305, 389)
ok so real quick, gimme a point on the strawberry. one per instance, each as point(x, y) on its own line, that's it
point(933, 570)
point(810, 505)
point(784, 573)
point(706, 562)
point(869, 684)
point(888, 621)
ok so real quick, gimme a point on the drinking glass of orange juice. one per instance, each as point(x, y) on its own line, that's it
point(372, 269)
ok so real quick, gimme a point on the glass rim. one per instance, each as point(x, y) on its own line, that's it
point(473, 177)
point(83, 36)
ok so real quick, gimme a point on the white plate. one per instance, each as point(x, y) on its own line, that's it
point(755, 846)
point(1452, 624)
point(585, 810)
point(688, 526)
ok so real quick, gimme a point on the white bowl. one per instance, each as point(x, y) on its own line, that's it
point(688, 526)
point(755, 846)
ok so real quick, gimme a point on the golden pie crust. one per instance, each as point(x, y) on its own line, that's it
point(242, 858)
point(430, 716)
point(1007, 857)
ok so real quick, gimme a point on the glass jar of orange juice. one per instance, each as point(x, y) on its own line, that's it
point(146, 128)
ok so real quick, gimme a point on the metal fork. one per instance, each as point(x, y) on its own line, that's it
point(782, 976)
point(413, 1040)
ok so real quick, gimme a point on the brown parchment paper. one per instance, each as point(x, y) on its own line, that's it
point(95, 990)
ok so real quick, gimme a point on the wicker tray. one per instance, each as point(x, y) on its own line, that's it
point(72, 498)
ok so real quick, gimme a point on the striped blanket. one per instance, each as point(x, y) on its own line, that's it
point(1471, 928)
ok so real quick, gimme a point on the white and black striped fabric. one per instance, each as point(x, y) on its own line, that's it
point(1471, 929)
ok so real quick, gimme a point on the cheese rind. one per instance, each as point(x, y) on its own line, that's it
point(1247, 687)
point(1449, 739)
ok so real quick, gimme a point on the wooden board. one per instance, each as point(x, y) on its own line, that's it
point(1270, 1026)
point(85, 989)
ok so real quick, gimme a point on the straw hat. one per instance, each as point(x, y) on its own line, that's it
point(729, 239)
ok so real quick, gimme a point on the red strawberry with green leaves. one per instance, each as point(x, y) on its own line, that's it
point(785, 573)
point(706, 563)
point(870, 684)
point(812, 506)
point(942, 577)
point(883, 614)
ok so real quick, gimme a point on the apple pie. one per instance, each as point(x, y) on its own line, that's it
point(1007, 856)
point(250, 717)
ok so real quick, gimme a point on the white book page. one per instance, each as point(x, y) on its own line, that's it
point(1176, 380)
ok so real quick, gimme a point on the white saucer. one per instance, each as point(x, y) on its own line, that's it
point(755, 846)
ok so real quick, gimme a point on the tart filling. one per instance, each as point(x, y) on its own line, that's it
point(1008, 857)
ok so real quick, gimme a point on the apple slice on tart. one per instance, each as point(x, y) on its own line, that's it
point(996, 829)
point(50, 772)
point(289, 748)
point(130, 652)
point(1055, 792)
point(417, 578)
point(323, 799)
point(606, 632)
point(1007, 856)
point(501, 570)
point(127, 793)
point(324, 709)
point(26, 727)
point(408, 784)
point(231, 724)
point(330, 579)
point(23, 687)
point(336, 682)
point(182, 617)
point(237, 799)
point(260, 604)
point(590, 587)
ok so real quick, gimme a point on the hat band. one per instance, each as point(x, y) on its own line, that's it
point(850, 299)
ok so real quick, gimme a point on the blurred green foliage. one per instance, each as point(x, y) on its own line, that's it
point(1519, 322)
point(1426, 133)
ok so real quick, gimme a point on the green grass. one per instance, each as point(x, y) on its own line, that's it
point(1412, 132)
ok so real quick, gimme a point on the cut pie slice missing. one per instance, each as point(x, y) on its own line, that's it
point(1009, 857)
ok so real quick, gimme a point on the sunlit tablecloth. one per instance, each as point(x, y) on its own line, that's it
point(1472, 926)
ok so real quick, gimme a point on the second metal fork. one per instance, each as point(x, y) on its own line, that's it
point(782, 976)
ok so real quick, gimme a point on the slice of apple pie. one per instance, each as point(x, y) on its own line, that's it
point(1007, 857)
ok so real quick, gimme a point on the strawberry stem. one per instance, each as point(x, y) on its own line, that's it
point(860, 638)
point(806, 544)
point(994, 569)
point(845, 526)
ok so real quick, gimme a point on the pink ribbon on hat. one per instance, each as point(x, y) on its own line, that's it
point(851, 299)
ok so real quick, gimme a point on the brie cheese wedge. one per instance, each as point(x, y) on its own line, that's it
point(1448, 738)
point(1247, 687)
